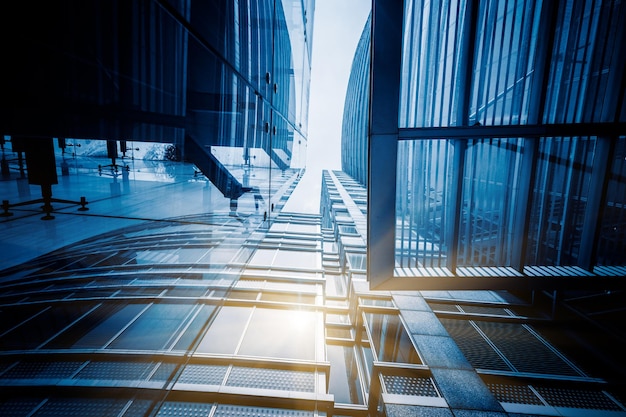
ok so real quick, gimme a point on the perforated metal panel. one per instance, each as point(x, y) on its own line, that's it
point(443, 307)
point(475, 348)
point(18, 407)
point(27, 370)
point(497, 311)
point(511, 393)
point(184, 409)
point(163, 372)
point(239, 411)
point(116, 370)
point(524, 350)
point(408, 385)
point(203, 374)
point(577, 398)
point(138, 408)
point(79, 407)
point(278, 379)
point(250, 283)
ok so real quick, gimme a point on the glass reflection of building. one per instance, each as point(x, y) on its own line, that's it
point(187, 289)
point(224, 83)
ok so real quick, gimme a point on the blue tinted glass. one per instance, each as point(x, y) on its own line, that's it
point(225, 331)
point(344, 381)
point(281, 334)
point(154, 329)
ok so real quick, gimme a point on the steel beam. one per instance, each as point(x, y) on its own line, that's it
point(463, 85)
point(385, 76)
point(515, 131)
point(543, 60)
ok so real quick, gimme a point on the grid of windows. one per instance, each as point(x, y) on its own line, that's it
point(167, 327)
point(526, 363)
point(508, 140)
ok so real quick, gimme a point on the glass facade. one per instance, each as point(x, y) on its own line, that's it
point(225, 83)
point(184, 288)
point(434, 352)
point(354, 152)
point(168, 317)
point(508, 142)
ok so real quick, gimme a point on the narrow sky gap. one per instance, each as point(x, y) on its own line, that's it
point(338, 27)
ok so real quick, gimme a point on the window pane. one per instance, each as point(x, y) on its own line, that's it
point(96, 329)
point(154, 328)
point(280, 334)
point(36, 331)
point(344, 381)
point(390, 339)
point(225, 332)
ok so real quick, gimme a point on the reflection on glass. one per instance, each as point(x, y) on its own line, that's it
point(368, 362)
point(100, 326)
point(420, 210)
point(489, 201)
point(344, 381)
point(154, 329)
point(31, 333)
point(561, 188)
point(225, 332)
point(281, 334)
point(612, 245)
point(191, 332)
point(390, 339)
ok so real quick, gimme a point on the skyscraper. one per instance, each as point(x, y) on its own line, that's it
point(478, 178)
point(487, 352)
point(186, 289)
point(496, 142)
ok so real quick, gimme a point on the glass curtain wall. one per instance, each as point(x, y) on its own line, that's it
point(525, 63)
point(354, 128)
point(225, 81)
point(170, 318)
point(254, 128)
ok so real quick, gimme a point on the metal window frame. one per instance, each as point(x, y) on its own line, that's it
point(384, 134)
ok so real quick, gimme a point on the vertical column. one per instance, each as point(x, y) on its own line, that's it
point(604, 151)
point(543, 59)
point(596, 201)
point(385, 72)
point(464, 88)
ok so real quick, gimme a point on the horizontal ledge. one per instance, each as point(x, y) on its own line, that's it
point(503, 278)
point(514, 131)
point(147, 356)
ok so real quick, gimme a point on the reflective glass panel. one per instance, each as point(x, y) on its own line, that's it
point(281, 334)
point(156, 328)
point(390, 339)
point(344, 381)
point(225, 331)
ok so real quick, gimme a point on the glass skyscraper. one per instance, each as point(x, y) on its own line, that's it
point(442, 352)
point(168, 277)
point(224, 83)
point(496, 141)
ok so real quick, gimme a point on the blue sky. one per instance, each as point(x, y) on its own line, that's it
point(338, 27)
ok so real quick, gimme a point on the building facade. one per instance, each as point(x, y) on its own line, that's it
point(224, 83)
point(449, 353)
point(493, 138)
point(186, 289)
point(217, 314)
